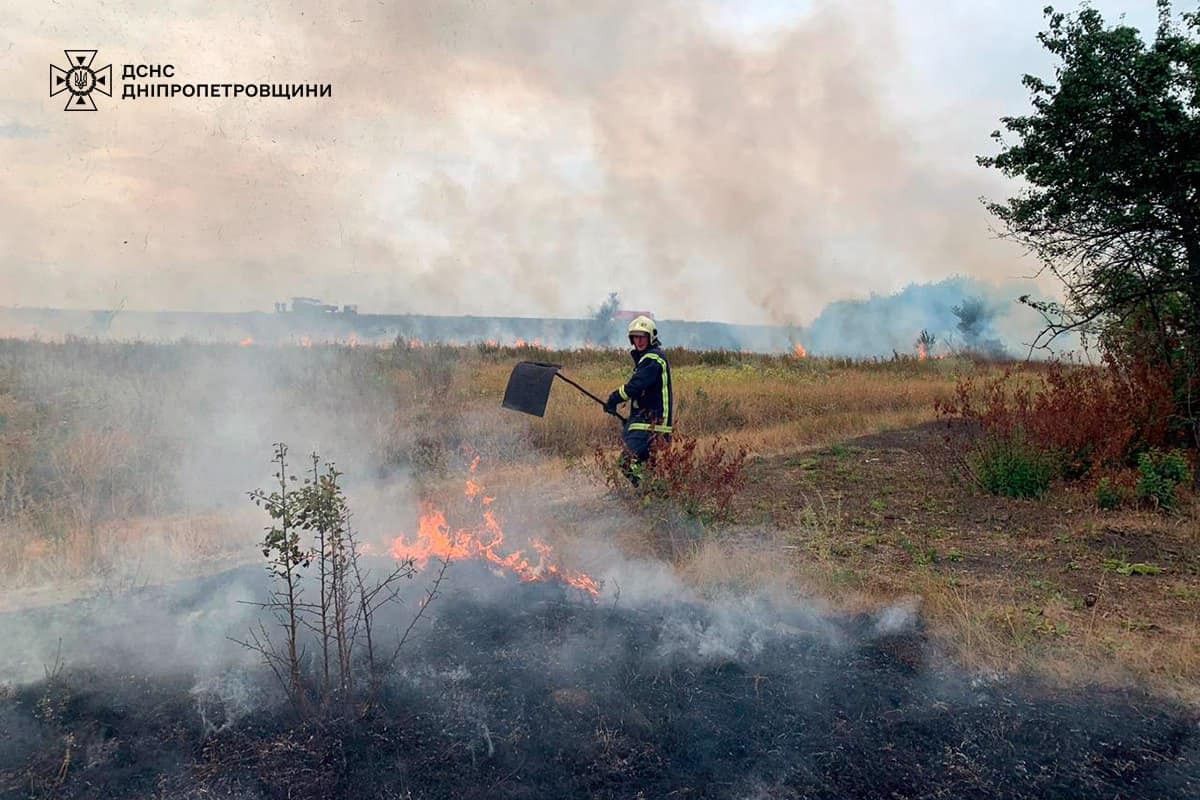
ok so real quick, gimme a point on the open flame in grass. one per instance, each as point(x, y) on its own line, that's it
point(485, 541)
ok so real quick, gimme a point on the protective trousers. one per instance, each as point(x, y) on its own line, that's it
point(638, 446)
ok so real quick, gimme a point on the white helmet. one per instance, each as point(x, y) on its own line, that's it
point(644, 324)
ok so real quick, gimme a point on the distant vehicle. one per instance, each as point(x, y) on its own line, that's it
point(313, 306)
point(628, 316)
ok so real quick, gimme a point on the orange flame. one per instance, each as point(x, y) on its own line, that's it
point(436, 539)
point(247, 342)
point(922, 353)
point(800, 351)
point(305, 341)
point(353, 340)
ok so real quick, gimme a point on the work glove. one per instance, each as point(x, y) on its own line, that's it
point(614, 400)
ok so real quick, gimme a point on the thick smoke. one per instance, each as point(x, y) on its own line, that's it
point(482, 158)
point(962, 314)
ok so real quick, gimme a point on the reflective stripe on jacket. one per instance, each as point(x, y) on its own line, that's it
point(649, 393)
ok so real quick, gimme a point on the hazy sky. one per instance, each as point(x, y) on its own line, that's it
point(739, 161)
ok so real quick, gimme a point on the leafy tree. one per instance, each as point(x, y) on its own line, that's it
point(608, 308)
point(311, 523)
point(1109, 161)
point(287, 558)
point(926, 341)
point(972, 316)
point(602, 329)
point(974, 320)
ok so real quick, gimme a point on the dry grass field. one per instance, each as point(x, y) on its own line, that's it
point(118, 454)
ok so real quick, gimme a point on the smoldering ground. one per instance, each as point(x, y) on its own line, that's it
point(534, 690)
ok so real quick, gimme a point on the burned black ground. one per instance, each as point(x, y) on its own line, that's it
point(527, 690)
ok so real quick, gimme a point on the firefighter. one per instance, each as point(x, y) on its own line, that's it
point(648, 392)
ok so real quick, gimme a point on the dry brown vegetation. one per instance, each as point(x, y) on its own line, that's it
point(851, 498)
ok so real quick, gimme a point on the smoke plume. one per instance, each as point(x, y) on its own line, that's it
point(482, 158)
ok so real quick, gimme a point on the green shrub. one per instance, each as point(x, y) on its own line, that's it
point(1159, 475)
point(1123, 567)
point(1010, 465)
point(1111, 495)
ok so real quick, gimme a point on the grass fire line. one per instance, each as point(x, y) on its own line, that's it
point(435, 539)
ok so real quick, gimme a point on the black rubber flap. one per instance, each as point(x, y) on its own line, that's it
point(529, 387)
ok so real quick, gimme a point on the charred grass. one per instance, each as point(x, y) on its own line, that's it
point(544, 696)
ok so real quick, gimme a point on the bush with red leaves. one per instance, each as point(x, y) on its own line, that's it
point(702, 481)
point(1089, 417)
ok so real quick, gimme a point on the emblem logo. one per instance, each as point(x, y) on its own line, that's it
point(80, 80)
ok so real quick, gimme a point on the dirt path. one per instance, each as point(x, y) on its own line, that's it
point(1056, 583)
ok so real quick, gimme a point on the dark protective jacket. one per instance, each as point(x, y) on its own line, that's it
point(649, 393)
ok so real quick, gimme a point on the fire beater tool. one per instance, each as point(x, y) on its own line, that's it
point(529, 388)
